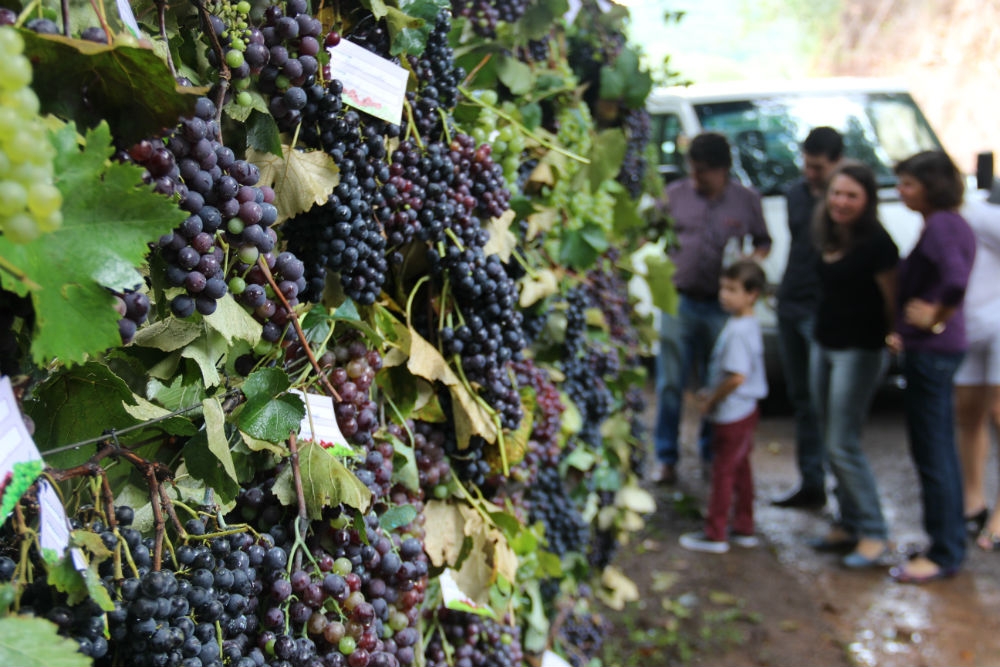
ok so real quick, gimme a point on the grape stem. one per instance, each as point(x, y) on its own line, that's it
point(262, 263)
point(101, 18)
point(525, 131)
point(161, 15)
point(411, 129)
point(302, 520)
point(19, 275)
point(224, 74)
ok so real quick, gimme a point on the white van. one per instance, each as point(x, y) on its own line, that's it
point(766, 123)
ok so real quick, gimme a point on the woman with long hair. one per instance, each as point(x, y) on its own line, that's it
point(857, 270)
point(930, 332)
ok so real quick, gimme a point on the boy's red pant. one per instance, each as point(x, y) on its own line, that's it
point(731, 475)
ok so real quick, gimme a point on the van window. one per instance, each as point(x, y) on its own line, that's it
point(667, 135)
point(879, 129)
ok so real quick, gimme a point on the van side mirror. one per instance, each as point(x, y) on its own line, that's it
point(984, 170)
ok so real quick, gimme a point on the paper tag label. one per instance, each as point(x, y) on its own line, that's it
point(550, 659)
point(371, 84)
point(128, 18)
point(455, 598)
point(16, 446)
point(320, 422)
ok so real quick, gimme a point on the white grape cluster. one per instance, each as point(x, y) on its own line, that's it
point(29, 203)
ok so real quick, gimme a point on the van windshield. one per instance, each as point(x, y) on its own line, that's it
point(880, 129)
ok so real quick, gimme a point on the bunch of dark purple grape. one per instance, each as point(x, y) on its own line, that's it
point(462, 639)
point(484, 15)
point(638, 130)
point(226, 209)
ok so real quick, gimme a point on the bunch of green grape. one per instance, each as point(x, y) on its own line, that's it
point(506, 140)
point(29, 203)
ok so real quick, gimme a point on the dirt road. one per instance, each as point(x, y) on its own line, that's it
point(784, 604)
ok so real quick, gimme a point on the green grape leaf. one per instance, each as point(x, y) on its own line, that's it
point(325, 482)
point(412, 23)
point(105, 231)
point(397, 517)
point(515, 74)
point(27, 641)
point(580, 248)
point(263, 134)
point(409, 33)
point(404, 469)
point(627, 216)
point(64, 577)
point(215, 431)
point(24, 474)
point(300, 179)
point(606, 157)
point(131, 88)
point(206, 352)
point(272, 419)
point(265, 383)
point(539, 17)
point(659, 276)
point(233, 322)
point(612, 84)
point(202, 462)
point(168, 334)
point(78, 404)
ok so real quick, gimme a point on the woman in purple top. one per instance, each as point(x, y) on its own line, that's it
point(930, 332)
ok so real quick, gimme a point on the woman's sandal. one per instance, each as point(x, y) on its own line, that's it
point(974, 523)
point(988, 541)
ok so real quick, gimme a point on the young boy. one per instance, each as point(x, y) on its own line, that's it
point(736, 381)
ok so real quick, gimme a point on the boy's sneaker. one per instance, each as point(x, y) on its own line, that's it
point(701, 542)
point(745, 541)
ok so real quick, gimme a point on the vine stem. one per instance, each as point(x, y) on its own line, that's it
point(262, 263)
point(302, 520)
point(521, 128)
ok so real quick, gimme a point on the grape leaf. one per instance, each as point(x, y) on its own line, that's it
point(168, 334)
point(103, 228)
point(471, 417)
point(659, 276)
point(325, 482)
point(234, 323)
point(606, 157)
point(515, 74)
point(300, 179)
point(443, 544)
point(265, 383)
point(78, 404)
point(396, 517)
point(502, 241)
point(27, 641)
point(263, 133)
point(412, 23)
point(131, 88)
point(538, 18)
point(537, 286)
point(272, 419)
point(203, 464)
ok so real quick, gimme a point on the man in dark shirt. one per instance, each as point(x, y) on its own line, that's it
point(708, 208)
point(798, 295)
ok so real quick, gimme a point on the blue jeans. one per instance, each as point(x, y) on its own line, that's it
point(843, 383)
point(930, 424)
point(795, 335)
point(686, 341)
